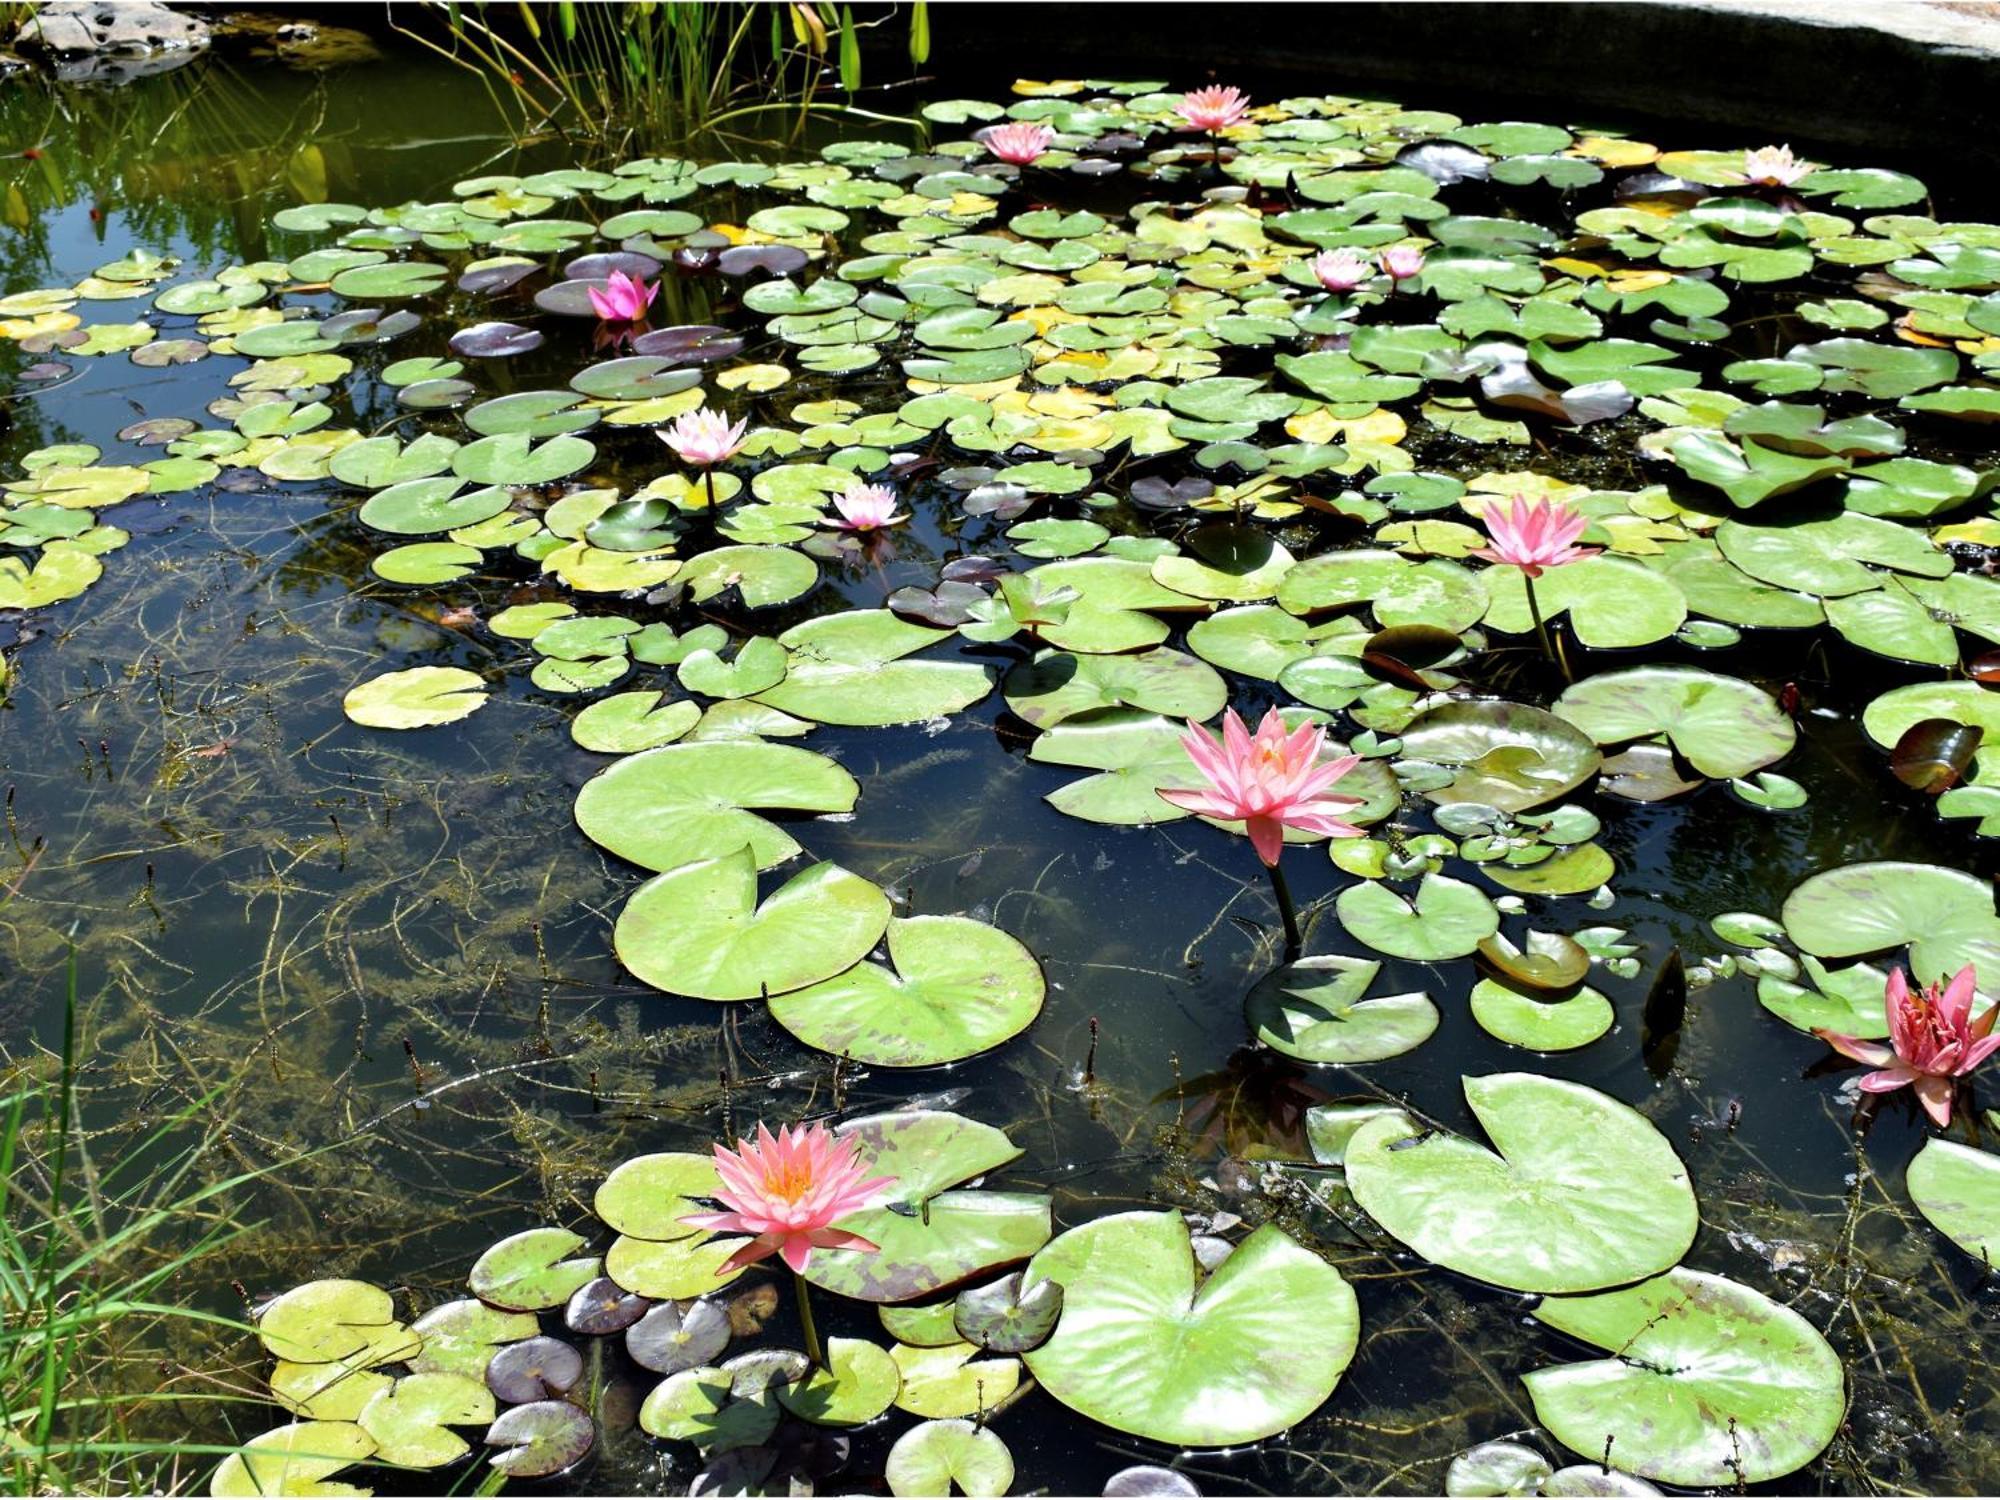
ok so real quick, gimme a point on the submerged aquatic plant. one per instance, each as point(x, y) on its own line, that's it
point(624, 298)
point(867, 507)
point(1933, 1041)
point(1270, 782)
point(787, 1191)
point(1018, 142)
point(1534, 536)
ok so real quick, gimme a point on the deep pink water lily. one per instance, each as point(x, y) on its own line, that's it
point(624, 298)
point(1401, 262)
point(1269, 783)
point(1534, 535)
point(702, 437)
point(1018, 142)
point(1340, 270)
point(787, 1191)
point(1773, 166)
point(1933, 1041)
point(866, 507)
point(1213, 109)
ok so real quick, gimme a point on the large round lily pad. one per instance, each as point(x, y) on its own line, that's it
point(1512, 756)
point(956, 988)
point(1058, 685)
point(1318, 1010)
point(1445, 919)
point(700, 931)
point(1722, 726)
point(1945, 916)
point(416, 698)
point(1583, 1192)
point(1958, 1189)
point(848, 669)
point(1708, 1382)
point(685, 802)
point(1146, 1347)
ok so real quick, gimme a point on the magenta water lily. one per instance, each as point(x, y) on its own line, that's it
point(1933, 1041)
point(624, 298)
point(1018, 142)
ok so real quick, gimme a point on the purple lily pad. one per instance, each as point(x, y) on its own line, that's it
point(536, 1369)
point(973, 569)
point(603, 1306)
point(540, 1439)
point(44, 343)
point(672, 1338)
point(690, 344)
point(368, 325)
point(1095, 166)
point(1149, 1479)
point(947, 606)
point(600, 264)
point(1154, 493)
point(772, 260)
point(156, 432)
point(495, 340)
point(435, 395)
point(488, 280)
point(1005, 1319)
point(571, 299)
point(46, 369)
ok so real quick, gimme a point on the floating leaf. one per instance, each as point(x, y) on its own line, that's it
point(1318, 1010)
point(416, 698)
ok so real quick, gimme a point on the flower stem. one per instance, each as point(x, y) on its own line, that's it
point(1542, 629)
point(1284, 894)
point(708, 478)
point(813, 1351)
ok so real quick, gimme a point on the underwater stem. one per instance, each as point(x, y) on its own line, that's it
point(1284, 894)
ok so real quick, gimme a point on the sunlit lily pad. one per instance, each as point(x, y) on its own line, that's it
point(1945, 917)
point(1724, 727)
point(1318, 1010)
point(1445, 919)
point(949, 1456)
point(1957, 1188)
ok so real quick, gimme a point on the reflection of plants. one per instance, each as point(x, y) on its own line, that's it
point(659, 69)
point(85, 1256)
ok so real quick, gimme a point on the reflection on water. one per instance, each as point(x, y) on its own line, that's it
point(398, 946)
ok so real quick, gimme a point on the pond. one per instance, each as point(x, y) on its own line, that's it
point(450, 794)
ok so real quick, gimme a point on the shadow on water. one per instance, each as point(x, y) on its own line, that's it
point(398, 946)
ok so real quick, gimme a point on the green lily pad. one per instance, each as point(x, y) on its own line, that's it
point(1145, 1347)
point(1057, 685)
point(957, 987)
point(297, 1459)
point(1957, 1188)
point(416, 698)
point(1237, 563)
point(1318, 1010)
point(930, 1234)
point(1708, 1382)
point(1829, 557)
point(427, 507)
point(1582, 1193)
point(322, 1322)
point(1847, 1000)
point(626, 723)
point(949, 1456)
point(1612, 602)
point(1134, 755)
point(699, 931)
point(858, 1382)
point(681, 803)
point(847, 669)
point(534, 1269)
point(1447, 919)
point(1507, 755)
point(1543, 1025)
point(1944, 916)
point(411, 1422)
point(1722, 726)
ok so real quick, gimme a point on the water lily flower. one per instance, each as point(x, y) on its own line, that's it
point(1933, 1041)
point(1401, 262)
point(1534, 535)
point(1271, 782)
point(787, 1191)
point(1213, 109)
point(867, 506)
point(1018, 142)
point(702, 437)
point(624, 298)
point(1773, 166)
point(1340, 270)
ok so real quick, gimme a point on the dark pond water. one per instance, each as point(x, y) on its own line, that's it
point(398, 946)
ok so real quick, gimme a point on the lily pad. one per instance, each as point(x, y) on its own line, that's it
point(416, 698)
point(1945, 916)
point(1957, 1188)
point(535, 1269)
point(1545, 1025)
point(1148, 1348)
point(1583, 1192)
point(1507, 755)
point(1722, 726)
point(949, 1457)
point(1446, 919)
point(1318, 1010)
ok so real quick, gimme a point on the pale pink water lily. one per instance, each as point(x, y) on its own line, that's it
point(1340, 270)
point(702, 437)
point(1534, 535)
point(867, 506)
point(787, 1191)
point(1401, 262)
point(624, 298)
point(1933, 1041)
point(1213, 109)
point(1773, 166)
point(1018, 142)
point(1269, 782)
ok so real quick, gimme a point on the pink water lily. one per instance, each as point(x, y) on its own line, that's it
point(1534, 535)
point(1213, 109)
point(624, 298)
point(867, 506)
point(1773, 166)
point(1271, 782)
point(702, 437)
point(787, 1191)
point(1340, 270)
point(1017, 142)
point(1401, 262)
point(1933, 1041)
